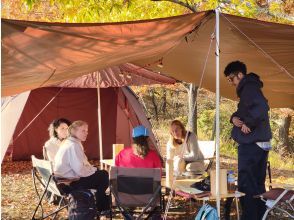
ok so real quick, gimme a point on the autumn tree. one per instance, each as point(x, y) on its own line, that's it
point(127, 10)
point(285, 146)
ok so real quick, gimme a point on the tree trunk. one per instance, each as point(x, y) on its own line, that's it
point(164, 102)
point(153, 100)
point(192, 101)
point(285, 145)
point(213, 128)
point(176, 99)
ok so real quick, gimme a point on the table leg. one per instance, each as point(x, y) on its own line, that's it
point(237, 207)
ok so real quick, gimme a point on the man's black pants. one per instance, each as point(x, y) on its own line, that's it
point(99, 181)
point(252, 162)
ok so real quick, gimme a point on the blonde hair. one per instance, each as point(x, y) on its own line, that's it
point(75, 125)
point(179, 124)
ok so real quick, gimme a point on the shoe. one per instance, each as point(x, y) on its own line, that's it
point(106, 213)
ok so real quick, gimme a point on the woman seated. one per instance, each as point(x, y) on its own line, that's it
point(58, 131)
point(71, 162)
point(139, 154)
point(183, 149)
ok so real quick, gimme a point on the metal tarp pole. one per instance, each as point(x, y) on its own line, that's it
point(99, 121)
point(217, 138)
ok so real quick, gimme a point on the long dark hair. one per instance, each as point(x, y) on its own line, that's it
point(142, 146)
point(55, 124)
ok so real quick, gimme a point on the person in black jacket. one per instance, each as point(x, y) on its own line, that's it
point(251, 130)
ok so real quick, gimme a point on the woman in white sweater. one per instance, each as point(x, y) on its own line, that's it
point(72, 163)
point(183, 149)
point(58, 131)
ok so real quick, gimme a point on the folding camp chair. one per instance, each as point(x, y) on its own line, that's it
point(51, 197)
point(136, 187)
point(207, 149)
point(280, 199)
point(43, 172)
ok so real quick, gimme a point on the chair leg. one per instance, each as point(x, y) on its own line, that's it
point(237, 207)
point(265, 214)
point(59, 205)
point(39, 204)
point(122, 210)
point(287, 213)
point(55, 212)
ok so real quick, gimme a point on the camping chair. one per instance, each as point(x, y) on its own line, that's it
point(136, 187)
point(207, 149)
point(43, 172)
point(280, 199)
point(51, 197)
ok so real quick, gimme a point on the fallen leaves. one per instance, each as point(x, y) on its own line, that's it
point(19, 198)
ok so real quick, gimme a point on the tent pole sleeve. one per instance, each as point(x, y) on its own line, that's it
point(217, 138)
point(99, 121)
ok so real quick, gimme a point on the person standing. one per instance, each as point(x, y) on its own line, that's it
point(251, 130)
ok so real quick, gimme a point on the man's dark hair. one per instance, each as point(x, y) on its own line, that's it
point(142, 145)
point(235, 67)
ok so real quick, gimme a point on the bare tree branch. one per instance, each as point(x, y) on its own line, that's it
point(191, 7)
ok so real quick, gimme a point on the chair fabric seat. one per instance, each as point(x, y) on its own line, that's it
point(274, 193)
point(136, 187)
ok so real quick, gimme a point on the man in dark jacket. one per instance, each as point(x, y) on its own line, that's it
point(252, 132)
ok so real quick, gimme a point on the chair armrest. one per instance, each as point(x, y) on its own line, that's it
point(284, 186)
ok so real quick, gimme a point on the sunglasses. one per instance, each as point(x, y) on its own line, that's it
point(231, 78)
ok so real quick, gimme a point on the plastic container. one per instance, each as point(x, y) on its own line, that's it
point(222, 182)
point(231, 182)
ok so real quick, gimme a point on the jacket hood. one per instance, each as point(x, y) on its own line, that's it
point(252, 79)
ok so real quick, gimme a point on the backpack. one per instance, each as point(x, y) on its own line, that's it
point(207, 212)
point(81, 205)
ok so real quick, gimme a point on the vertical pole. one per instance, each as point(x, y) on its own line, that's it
point(217, 138)
point(99, 121)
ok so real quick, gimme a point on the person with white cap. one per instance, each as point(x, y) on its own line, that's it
point(139, 155)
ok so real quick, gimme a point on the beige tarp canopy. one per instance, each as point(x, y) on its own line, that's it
point(266, 48)
point(36, 54)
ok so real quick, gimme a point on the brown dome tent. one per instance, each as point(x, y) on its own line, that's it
point(77, 100)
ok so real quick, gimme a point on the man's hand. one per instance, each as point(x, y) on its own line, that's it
point(245, 129)
point(237, 122)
